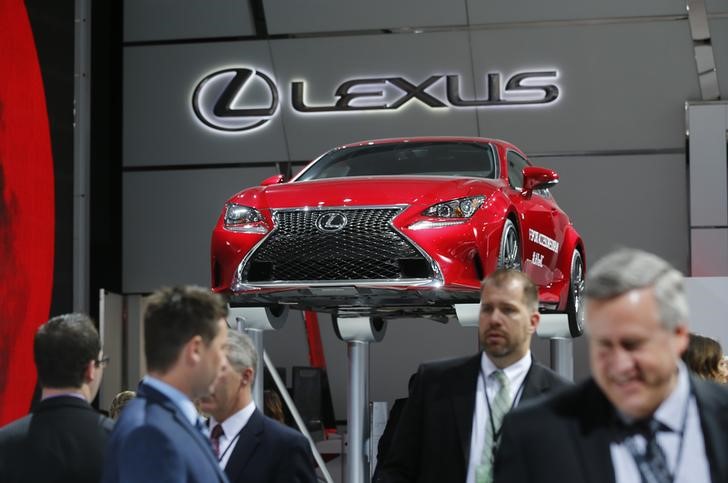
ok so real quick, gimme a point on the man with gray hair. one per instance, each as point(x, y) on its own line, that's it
point(250, 446)
point(641, 417)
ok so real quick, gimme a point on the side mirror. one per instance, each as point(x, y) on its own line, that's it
point(275, 179)
point(535, 177)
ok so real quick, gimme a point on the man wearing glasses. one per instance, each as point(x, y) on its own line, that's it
point(63, 439)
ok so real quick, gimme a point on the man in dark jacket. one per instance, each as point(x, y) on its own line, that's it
point(450, 425)
point(63, 439)
point(641, 417)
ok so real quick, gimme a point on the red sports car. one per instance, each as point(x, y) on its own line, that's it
point(399, 228)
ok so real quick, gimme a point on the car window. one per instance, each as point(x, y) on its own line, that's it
point(435, 158)
point(516, 163)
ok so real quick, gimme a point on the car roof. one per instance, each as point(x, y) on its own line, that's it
point(443, 139)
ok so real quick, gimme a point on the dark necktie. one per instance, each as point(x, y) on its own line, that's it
point(652, 464)
point(215, 439)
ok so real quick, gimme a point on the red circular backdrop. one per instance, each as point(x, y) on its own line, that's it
point(27, 210)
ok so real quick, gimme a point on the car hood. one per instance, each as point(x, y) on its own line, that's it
point(365, 191)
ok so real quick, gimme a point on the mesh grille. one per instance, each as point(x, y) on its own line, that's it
point(366, 248)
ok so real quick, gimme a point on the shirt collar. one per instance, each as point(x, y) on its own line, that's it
point(77, 395)
point(521, 366)
point(235, 423)
point(671, 411)
point(177, 397)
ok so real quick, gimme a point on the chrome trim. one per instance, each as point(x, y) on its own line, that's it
point(238, 271)
point(400, 206)
point(297, 284)
point(433, 264)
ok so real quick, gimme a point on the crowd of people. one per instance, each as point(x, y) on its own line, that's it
point(655, 408)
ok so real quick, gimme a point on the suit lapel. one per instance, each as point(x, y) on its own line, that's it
point(246, 445)
point(593, 433)
point(713, 429)
point(159, 398)
point(464, 383)
point(534, 384)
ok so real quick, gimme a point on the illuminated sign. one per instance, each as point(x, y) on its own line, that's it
point(221, 100)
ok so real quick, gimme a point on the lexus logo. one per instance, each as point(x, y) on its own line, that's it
point(331, 222)
point(217, 97)
point(241, 99)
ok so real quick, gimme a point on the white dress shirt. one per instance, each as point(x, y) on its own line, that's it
point(516, 374)
point(231, 428)
point(689, 467)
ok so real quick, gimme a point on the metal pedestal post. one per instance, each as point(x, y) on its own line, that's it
point(562, 357)
point(358, 332)
point(357, 412)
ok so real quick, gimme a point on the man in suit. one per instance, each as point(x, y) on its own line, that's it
point(251, 447)
point(63, 438)
point(641, 417)
point(159, 436)
point(450, 425)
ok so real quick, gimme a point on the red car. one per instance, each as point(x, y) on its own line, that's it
point(399, 228)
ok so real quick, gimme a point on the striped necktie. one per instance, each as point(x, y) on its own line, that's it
point(652, 464)
point(500, 405)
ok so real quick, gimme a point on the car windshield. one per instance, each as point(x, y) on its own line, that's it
point(410, 158)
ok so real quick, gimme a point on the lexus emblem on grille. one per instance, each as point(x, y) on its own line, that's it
point(331, 222)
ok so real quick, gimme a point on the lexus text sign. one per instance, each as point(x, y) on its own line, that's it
point(244, 98)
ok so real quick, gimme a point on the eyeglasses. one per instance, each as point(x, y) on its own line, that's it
point(103, 362)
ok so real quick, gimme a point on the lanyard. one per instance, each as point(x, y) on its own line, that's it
point(639, 457)
point(516, 396)
point(230, 445)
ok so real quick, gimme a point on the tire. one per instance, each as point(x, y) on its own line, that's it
point(509, 255)
point(575, 303)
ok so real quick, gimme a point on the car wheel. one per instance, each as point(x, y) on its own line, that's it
point(509, 256)
point(575, 304)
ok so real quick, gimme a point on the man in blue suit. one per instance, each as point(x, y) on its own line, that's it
point(251, 447)
point(159, 436)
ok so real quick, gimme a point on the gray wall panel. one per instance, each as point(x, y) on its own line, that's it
point(623, 86)
point(719, 40)
point(160, 127)
point(337, 15)
point(716, 6)
point(631, 201)
point(186, 19)
point(325, 63)
point(710, 252)
point(168, 217)
point(495, 11)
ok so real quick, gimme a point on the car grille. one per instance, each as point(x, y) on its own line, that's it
point(366, 248)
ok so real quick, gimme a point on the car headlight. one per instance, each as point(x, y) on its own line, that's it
point(460, 208)
point(455, 212)
point(244, 219)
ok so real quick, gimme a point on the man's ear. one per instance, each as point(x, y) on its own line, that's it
point(682, 339)
point(89, 372)
point(535, 320)
point(248, 376)
point(193, 350)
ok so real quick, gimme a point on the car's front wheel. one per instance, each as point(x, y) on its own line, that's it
point(575, 303)
point(509, 255)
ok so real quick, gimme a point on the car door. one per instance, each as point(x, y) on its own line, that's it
point(536, 216)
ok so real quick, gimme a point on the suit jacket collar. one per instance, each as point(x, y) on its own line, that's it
point(595, 430)
point(247, 442)
point(61, 401)
point(162, 400)
point(712, 409)
point(463, 384)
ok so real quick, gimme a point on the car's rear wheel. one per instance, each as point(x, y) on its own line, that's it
point(509, 256)
point(575, 303)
